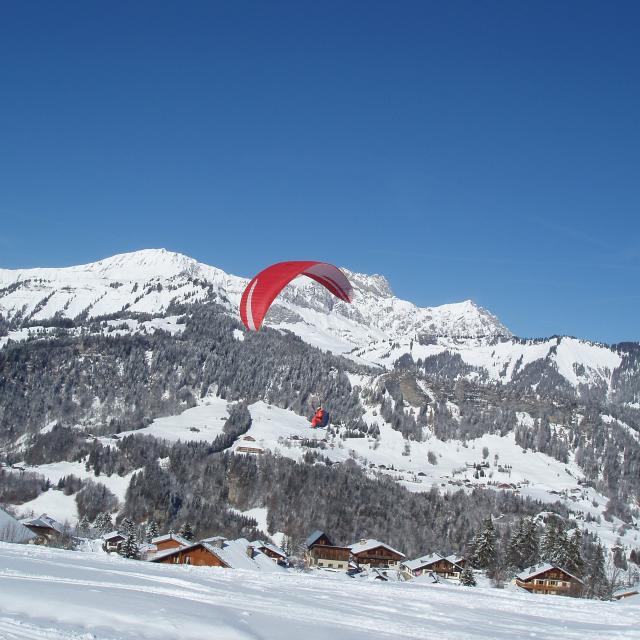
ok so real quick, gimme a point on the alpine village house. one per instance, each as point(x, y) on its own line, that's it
point(550, 579)
point(322, 553)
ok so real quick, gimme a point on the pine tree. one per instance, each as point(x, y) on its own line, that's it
point(103, 523)
point(129, 548)
point(467, 578)
point(84, 526)
point(515, 548)
point(575, 562)
point(127, 526)
point(151, 531)
point(530, 543)
point(555, 544)
point(597, 586)
point(186, 531)
point(549, 541)
point(484, 553)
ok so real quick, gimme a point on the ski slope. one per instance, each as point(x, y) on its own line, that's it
point(64, 595)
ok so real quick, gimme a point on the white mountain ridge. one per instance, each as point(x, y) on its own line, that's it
point(377, 328)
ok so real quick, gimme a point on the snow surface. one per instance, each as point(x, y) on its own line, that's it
point(62, 507)
point(100, 597)
point(203, 422)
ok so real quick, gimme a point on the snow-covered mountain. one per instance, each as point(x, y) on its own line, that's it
point(148, 281)
point(378, 328)
point(555, 419)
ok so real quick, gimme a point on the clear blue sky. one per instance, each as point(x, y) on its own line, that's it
point(484, 150)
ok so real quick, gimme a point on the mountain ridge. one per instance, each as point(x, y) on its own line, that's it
point(159, 264)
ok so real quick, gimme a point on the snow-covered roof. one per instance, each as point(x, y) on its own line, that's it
point(233, 554)
point(454, 558)
point(626, 591)
point(13, 531)
point(259, 544)
point(314, 537)
point(367, 545)
point(44, 521)
point(172, 536)
point(423, 561)
point(542, 567)
point(113, 534)
point(147, 547)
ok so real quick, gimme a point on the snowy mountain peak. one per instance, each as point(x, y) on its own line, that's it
point(143, 264)
point(130, 281)
point(375, 284)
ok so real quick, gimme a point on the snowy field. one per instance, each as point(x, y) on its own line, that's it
point(61, 595)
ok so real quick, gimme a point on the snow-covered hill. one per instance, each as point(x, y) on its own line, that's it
point(378, 328)
point(62, 595)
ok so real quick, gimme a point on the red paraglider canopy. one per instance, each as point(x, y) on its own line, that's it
point(264, 288)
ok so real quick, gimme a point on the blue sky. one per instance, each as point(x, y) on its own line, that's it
point(484, 150)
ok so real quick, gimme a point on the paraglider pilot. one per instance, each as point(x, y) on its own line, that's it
point(320, 418)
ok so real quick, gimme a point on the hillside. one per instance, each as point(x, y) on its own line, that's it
point(148, 344)
point(83, 595)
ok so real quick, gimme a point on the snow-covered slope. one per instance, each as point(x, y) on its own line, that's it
point(62, 595)
point(377, 328)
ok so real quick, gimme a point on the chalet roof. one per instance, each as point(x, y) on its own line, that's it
point(542, 567)
point(314, 537)
point(113, 534)
point(172, 536)
point(368, 545)
point(454, 558)
point(43, 521)
point(13, 531)
point(424, 561)
point(234, 554)
point(258, 544)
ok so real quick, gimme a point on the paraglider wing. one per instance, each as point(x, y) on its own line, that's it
point(263, 289)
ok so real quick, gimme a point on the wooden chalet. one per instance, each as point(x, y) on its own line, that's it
point(449, 567)
point(373, 553)
point(549, 579)
point(219, 552)
point(44, 527)
point(322, 553)
point(249, 449)
point(270, 550)
point(198, 555)
point(170, 540)
point(112, 541)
